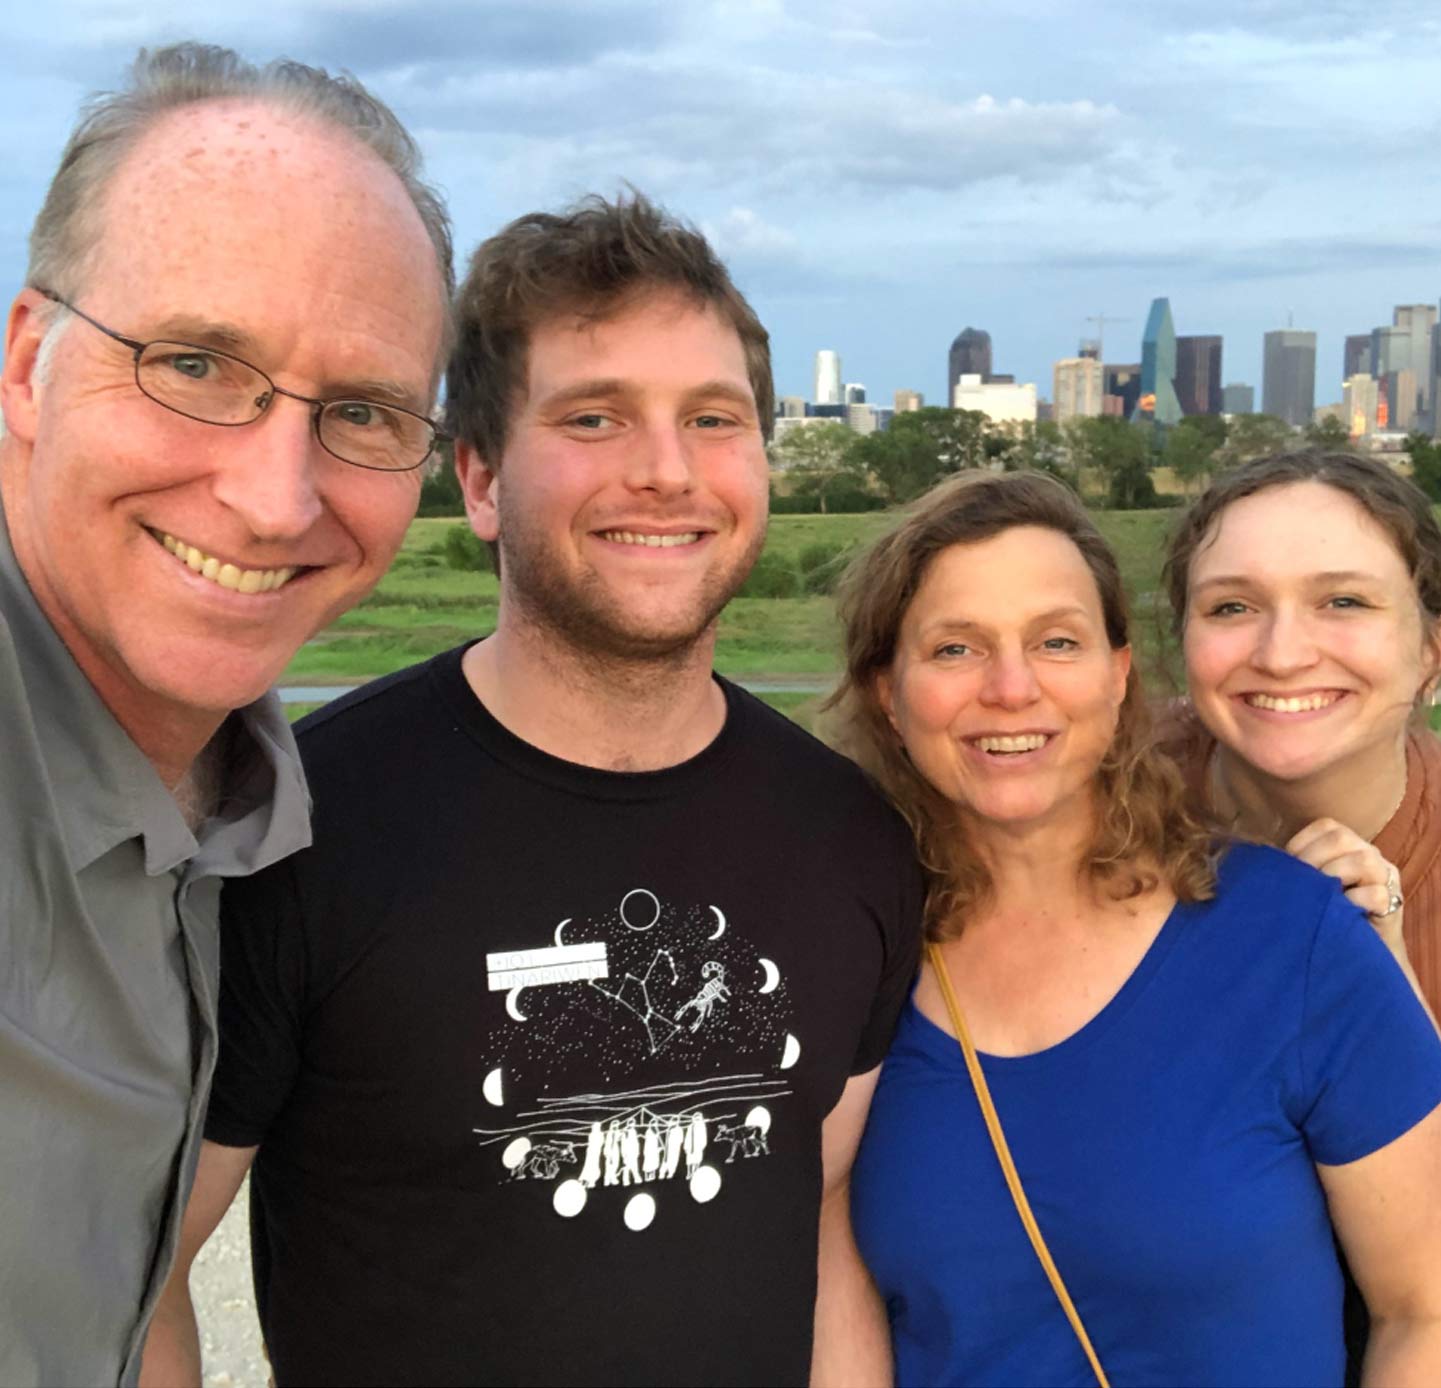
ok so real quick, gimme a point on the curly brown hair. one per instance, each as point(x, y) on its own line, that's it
point(592, 259)
point(1146, 831)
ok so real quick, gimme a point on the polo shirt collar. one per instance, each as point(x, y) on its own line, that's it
point(106, 790)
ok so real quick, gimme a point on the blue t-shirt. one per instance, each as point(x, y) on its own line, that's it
point(1167, 1149)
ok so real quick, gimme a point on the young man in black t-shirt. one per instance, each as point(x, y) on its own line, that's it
point(549, 1049)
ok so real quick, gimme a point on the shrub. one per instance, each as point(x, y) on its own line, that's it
point(817, 554)
point(821, 565)
point(772, 577)
point(464, 549)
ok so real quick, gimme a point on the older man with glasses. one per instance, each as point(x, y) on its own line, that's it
point(223, 245)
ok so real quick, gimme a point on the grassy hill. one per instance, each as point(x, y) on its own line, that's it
point(423, 607)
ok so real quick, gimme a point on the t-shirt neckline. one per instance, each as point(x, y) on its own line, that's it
point(1090, 1033)
point(591, 782)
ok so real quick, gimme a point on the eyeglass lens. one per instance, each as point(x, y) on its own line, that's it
point(220, 389)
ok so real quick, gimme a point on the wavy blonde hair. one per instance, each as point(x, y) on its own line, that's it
point(1145, 832)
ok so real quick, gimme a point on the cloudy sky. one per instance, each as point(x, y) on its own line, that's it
point(882, 174)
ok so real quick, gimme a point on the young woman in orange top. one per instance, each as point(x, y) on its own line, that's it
point(1306, 589)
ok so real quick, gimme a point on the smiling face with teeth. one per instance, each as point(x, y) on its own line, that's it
point(630, 503)
point(1004, 687)
point(1304, 640)
point(184, 563)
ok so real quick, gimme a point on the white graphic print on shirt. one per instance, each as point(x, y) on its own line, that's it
point(678, 1032)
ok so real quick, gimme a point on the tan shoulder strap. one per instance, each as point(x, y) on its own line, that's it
point(1003, 1155)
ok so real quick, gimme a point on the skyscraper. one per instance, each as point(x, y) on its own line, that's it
point(1392, 353)
point(1158, 368)
point(1198, 374)
point(855, 393)
point(970, 356)
point(908, 400)
point(1077, 388)
point(828, 379)
point(1123, 383)
point(1436, 382)
point(1358, 404)
point(1288, 386)
point(1418, 321)
point(1239, 398)
point(1357, 356)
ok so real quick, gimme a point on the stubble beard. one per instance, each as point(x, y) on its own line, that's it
point(582, 616)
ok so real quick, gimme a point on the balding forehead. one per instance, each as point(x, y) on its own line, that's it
point(212, 147)
point(209, 141)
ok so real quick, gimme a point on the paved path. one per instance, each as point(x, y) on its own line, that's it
point(225, 1306)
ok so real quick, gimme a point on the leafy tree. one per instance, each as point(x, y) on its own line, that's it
point(1106, 445)
point(1131, 488)
point(440, 491)
point(1425, 464)
point(1039, 447)
point(1190, 448)
point(820, 457)
point(901, 464)
point(961, 438)
point(1329, 432)
point(921, 447)
point(1254, 436)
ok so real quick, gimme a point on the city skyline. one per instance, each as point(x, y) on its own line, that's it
point(879, 176)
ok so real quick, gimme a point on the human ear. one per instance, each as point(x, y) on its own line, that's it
point(1431, 659)
point(19, 389)
point(1122, 672)
point(480, 486)
point(885, 694)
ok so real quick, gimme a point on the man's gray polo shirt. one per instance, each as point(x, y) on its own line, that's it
point(109, 961)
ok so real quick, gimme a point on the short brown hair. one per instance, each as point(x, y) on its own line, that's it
point(1397, 505)
point(1142, 802)
point(593, 259)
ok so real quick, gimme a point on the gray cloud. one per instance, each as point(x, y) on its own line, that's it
point(856, 160)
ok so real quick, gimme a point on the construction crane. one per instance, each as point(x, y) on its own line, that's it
point(1100, 320)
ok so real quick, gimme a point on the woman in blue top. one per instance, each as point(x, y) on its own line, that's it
point(1202, 1066)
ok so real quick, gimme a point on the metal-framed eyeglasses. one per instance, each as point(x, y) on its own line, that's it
point(214, 387)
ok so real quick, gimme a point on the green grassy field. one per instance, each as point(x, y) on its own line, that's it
point(423, 607)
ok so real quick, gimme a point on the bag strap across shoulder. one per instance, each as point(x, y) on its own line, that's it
point(1008, 1166)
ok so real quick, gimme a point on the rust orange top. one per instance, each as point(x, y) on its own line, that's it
point(1411, 838)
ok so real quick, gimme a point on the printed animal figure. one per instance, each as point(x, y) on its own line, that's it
point(543, 1163)
point(713, 991)
point(744, 1138)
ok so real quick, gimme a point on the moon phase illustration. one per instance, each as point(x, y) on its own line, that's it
point(569, 1198)
point(720, 923)
point(494, 1093)
point(639, 1212)
point(705, 1184)
point(512, 1004)
point(633, 904)
point(792, 1052)
point(559, 928)
point(773, 976)
point(759, 1117)
point(515, 1153)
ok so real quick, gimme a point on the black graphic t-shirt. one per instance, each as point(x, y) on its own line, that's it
point(537, 1055)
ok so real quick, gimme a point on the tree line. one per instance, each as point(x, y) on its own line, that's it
point(1107, 459)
